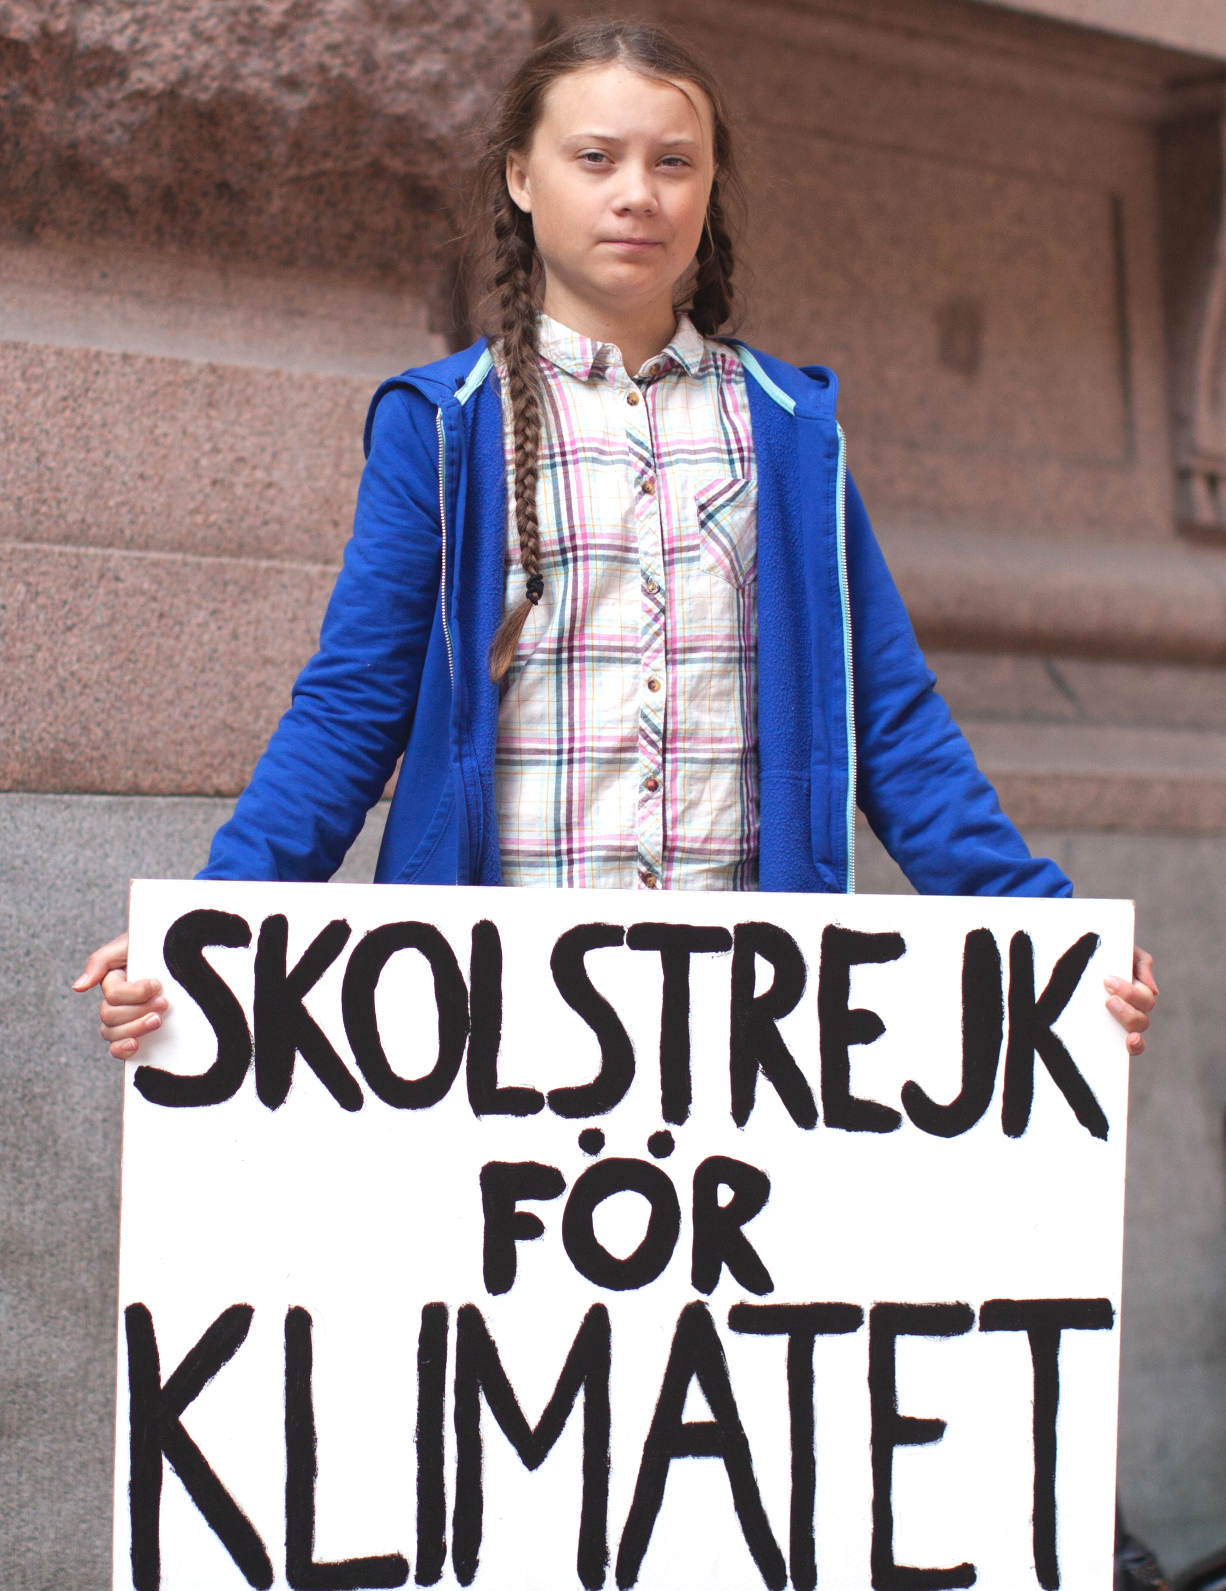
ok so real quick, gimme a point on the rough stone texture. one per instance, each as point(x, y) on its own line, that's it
point(233, 128)
point(64, 866)
point(1173, 1383)
point(144, 673)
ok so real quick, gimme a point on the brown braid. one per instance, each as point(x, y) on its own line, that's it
point(711, 300)
point(507, 266)
point(514, 263)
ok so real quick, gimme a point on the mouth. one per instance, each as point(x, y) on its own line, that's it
point(633, 243)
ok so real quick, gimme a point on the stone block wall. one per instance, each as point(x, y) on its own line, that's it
point(223, 225)
point(177, 500)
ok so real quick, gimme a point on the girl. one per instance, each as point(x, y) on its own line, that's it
point(657, 688)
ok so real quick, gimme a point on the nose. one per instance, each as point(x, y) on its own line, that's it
point(637, 194)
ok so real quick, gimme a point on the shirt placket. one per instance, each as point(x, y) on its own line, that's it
point(653, 673)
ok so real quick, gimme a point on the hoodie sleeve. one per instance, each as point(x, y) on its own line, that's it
point(334, 750)
point(918, 783)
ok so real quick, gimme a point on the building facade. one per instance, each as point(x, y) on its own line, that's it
point(1002, 224)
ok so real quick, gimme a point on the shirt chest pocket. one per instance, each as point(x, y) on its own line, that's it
point(727, 514)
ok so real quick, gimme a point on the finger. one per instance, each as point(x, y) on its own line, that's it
point(101, 961)
point(1138, 995)
point(125, 1049)
point(115, 1017)
point(1128, 1016)
point(1143, 969)
point(1136, 1044)
point(116, 990)
point(137, 1027)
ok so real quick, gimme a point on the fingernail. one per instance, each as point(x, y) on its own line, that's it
point(155, 986)
point(152, 1022)
point(1115, 1006)
point(128, 1046)
point(1114, 984)
point(160, 1003)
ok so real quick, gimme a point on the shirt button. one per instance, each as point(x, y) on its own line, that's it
point(649, 487)
point(651, 784)
point(649, 879)
point(651, 587)
point(653, 684)
point(632, 398)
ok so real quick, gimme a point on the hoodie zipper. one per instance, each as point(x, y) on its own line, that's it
point(849, 709)
point(442, 520)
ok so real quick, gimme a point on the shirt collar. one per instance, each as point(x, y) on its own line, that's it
point(583, 356)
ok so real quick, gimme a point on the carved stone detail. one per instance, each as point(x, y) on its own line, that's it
point(1192, 185)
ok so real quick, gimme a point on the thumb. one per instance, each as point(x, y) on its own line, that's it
point(100, 962)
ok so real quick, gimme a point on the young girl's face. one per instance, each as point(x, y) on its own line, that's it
point(616, 179)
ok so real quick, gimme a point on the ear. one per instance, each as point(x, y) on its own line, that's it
point(517, 182)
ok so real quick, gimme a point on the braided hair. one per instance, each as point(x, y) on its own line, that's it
point(515, 266)
point(506, 260)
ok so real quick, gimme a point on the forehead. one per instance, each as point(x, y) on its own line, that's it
point(623, 103)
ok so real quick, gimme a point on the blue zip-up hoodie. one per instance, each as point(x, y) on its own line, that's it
point(846, 707)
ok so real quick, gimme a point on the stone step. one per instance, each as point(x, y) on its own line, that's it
point(1080, 596)
point(1009, 688)
point(126, 300)
point(146, 673)
point(163, 454)
point(1166, 781)
point(131, 672)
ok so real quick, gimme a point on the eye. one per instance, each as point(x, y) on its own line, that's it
point(593, 157)
point(675, 162)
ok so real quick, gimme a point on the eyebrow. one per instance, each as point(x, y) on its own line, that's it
point(612, 138)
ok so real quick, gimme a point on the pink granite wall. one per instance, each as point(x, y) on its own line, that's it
point(220, 226)
point(329, 134)
point(225, 224)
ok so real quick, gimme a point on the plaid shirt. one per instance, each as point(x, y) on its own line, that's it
point(627, 740)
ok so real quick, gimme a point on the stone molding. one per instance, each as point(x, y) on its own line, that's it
point(1198, 25)
point(1192, 184)
point(1143, 602)
point(965, 42)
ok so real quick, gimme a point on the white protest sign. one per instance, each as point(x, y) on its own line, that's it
point(573, 1239)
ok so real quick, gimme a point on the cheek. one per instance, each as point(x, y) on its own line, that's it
point(556, 214)
point(551, 238)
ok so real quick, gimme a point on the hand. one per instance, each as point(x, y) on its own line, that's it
point(129, 1010)
point(1131, 1003)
